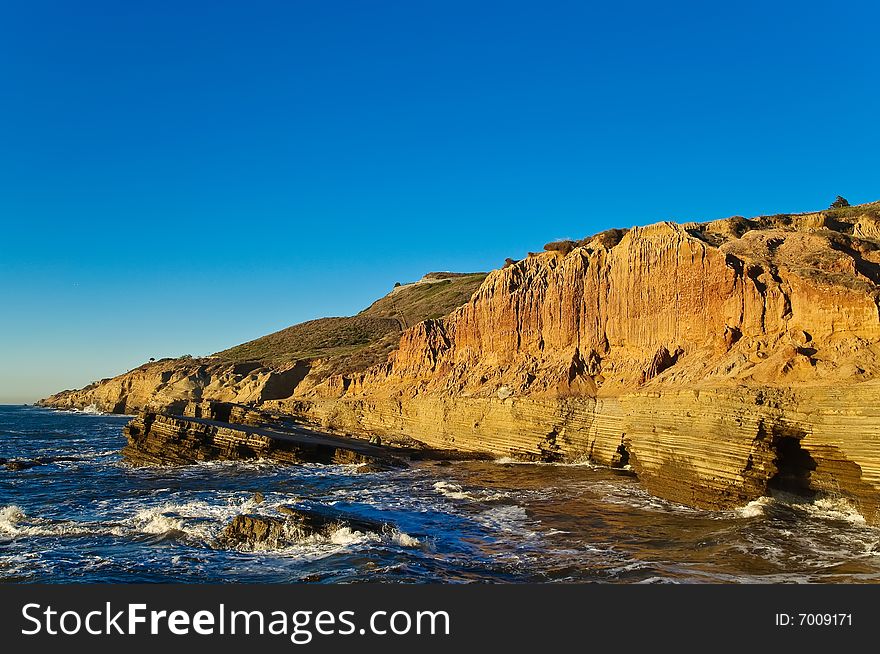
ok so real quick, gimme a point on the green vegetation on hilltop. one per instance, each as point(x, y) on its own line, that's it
point(435, 297)
point(360, 341)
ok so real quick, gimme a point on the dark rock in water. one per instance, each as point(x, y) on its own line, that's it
point(20, 465)
point(256, 531)
point(25, 464)
point(375, 466)
point(312, 521)
point(258, 498)
point(159, 439)
point(270, 532)
point(375, 439)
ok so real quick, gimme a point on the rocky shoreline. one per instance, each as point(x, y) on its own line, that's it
point(721, 361)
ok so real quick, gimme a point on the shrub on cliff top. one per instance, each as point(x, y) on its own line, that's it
point(564, 246)
point(839, 203)
point(609, 238)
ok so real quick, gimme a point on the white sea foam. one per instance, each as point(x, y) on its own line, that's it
point(455, 492)
point(452, 491)
point(346, 536)
point(196, 519)
point(15, 523)
point(405, 540)
point(10, 516)
point(834, 508)
point(505, 518)
point(753, 509)
point(823, 508)
point(578, 463)
point(292, 542)
point(154, 521)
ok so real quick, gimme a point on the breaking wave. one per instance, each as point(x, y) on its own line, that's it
point(93, 518)
point(456, 492)
point(822, 508)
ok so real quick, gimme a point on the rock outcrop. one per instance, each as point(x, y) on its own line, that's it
point(276, 366)
point(156, 439)
point(255, 532)
point(170, 384)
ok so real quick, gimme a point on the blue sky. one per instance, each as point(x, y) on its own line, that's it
point(178, 177)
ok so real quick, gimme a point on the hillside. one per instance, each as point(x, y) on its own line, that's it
point(272, 366)
point(357, 342)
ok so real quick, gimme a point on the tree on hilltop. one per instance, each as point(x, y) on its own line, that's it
point(839, 203)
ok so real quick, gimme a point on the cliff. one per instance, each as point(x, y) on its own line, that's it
point(722, 361)
point(274, 366)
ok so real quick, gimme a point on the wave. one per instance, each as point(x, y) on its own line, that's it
point(578, 463)
point(168, 521)
point(15, 523)
point(292, 541)
point(455, 492)
point(637, 497)
point(198, 521)
point(510, 518)
point(10, 516)
point(822, 508)
point(753, 509)
point(198, 524)
point(452, 491)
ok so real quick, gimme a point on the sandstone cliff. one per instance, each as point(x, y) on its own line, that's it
point(273, 366)
point(721, 360)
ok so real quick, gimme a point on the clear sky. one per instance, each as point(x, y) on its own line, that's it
point(178, 177)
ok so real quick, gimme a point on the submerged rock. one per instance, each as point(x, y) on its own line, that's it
point(26, 464)
point(20, 465)
point(375, 466)
point(294, 524)
point(311, 521)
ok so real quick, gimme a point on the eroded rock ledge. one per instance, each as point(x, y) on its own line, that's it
point(214, 431)
point(156, 439)
point(712, 448)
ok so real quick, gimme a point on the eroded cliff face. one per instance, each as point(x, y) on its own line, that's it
point(721, 360)
point(660, 307)
point(298, 358)
point(168, 385)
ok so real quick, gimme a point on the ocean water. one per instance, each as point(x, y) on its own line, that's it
point(86, 516)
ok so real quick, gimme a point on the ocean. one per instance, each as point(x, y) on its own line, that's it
point(84, 515)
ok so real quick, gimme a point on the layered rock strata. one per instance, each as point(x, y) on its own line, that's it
point(160, 439)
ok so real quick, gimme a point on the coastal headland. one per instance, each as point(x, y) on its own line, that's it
point(720, 361)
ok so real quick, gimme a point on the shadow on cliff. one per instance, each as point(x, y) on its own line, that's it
point(794, 465)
